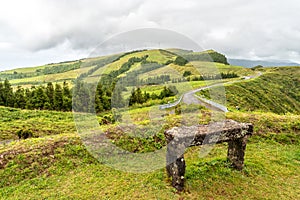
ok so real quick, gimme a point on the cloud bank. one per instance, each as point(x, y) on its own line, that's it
point(41, 31)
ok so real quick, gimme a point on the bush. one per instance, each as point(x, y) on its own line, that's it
point(187, 73)
point(24, 134)
point(257, 67)
point(180, 61)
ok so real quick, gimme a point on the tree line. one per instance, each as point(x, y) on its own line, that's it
point(210, 56)
point(188, 77)
point(86, 96)
point(139, 97)
point(49, 97)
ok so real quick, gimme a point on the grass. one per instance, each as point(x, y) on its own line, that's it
point(198, 68)
point(154, 55)
point(34, 78)
point(33, 69)
point(277, 90)
point(59, 166)
point(55, 164)
point(41, 123)
point(70, 173)
point(70, 75)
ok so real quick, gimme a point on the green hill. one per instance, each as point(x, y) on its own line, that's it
point(277, 90)
point(53, 162)
point(208, 55)
point(92, 68)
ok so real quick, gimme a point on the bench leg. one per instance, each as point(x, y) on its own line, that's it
point(175, 166)
point(236, 152)
point(176, 170)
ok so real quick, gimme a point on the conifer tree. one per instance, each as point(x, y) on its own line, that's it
point(67, 98)
point(39, 98)
point(1, 94)
point(50, 95)
point(58, 97)
point(20, 99)
point(8, 94)
point(99, 99)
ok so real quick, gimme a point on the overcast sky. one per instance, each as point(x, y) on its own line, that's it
point(35, 32)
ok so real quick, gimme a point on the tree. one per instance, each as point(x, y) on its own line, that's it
point(8, 95)
point(163, 93)
point(58, 97)
point(66, 90)
point(187, 73)
point(39, 98)
point(180, 61)
point(257, 67)
point(132, 98)
point(50, 95)
point(168, 91)
point(28, 95)
point(82, 97)
point(139, 96)
point(67, 98)
point(2, 94)
point(172, 90)
point(154, 96)
point(146, 96)
point(20, 99)
point(99, 99)
point(24, 134)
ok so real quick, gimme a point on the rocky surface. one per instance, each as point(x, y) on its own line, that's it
point(180, 138)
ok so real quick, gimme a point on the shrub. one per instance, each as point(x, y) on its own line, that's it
point(24, 134)
point(187, 73)
point(180, 61)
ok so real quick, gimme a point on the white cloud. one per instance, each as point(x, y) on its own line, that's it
point(37, 31)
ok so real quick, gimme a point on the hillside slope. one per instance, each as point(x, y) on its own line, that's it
point(92, 68)
point(277, 90)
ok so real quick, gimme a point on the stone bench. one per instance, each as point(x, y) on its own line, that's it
point(180, 138)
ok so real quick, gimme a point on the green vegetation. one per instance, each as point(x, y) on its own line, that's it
point(187, 73)
point(91, 68)
point(42, 157)
point(204, 77)
point(180, 61)
point(41, 97)
point(137, 97)
point(40, 123)
point(209, 56)
point(60, 166)
point(277, 90)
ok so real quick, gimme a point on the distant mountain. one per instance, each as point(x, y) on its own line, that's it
point(253, 63)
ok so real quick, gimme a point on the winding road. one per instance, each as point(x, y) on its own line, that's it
point(191, 98)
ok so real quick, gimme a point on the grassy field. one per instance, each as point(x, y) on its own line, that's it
point(33, 69)
point(40, 122)
point(36, 76)
point(70, 75)
point(154, 55)
point(57, 165)
point(198, 68)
